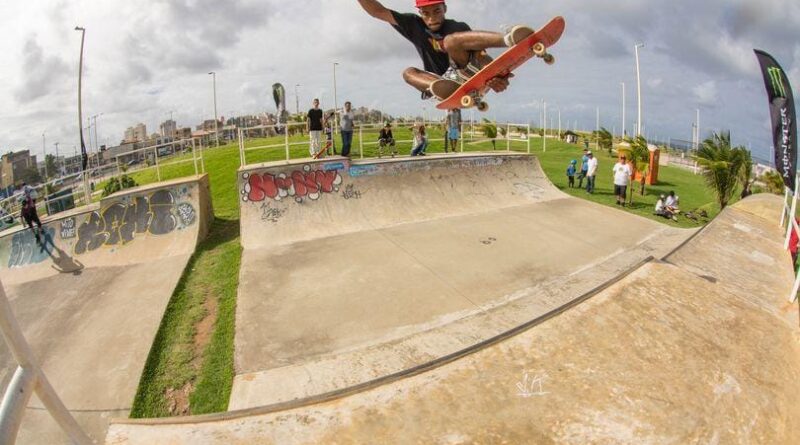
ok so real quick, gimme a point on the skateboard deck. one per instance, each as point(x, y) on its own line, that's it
point(324, 150)
point(471, 92)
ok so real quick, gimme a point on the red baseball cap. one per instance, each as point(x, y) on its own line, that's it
point(421, 3)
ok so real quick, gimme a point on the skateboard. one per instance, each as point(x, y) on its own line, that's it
point(471, 93)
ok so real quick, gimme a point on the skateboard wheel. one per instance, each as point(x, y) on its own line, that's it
point(539, 49)
point(483, 106)
point(549, 59)
point(467, 101)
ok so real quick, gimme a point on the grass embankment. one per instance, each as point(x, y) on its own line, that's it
point(190, 367)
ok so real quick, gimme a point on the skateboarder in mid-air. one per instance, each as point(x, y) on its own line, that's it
point(449, 49)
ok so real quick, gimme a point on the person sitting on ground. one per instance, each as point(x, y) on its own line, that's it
point(661, 209)
point(421, 142)
point(385, 138)
point(672, 203)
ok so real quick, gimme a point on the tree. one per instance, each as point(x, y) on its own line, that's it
point(639, 155)
point(774, 182)
point(52, 168)
point(490, 130)
point(746, 172)
point(722, 166)
point(30, 176)
point(605, 140)
point(116, 184)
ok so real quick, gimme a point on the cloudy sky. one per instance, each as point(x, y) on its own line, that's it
point(149, 59)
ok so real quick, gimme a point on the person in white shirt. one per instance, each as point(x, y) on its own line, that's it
point(622, 177)
point(662, 210)
point(672, 203)
point(591, 172)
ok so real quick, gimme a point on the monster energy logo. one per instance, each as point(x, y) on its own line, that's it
point(776, 77)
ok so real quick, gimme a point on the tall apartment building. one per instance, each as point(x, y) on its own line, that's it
point(136, 134)
point(168, 128)
point(12, 165)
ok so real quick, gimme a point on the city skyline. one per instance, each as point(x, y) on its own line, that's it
point(139, 67)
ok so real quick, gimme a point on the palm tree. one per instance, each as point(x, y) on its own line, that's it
point(490, 130)
point(605, 139)
point(722, 166)
point(746, 172)
point(639, 155)
point(774, 182)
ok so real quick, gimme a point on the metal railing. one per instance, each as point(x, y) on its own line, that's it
point(197, 157)
point(27, 380)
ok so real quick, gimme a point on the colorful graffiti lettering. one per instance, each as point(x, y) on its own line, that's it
point(121, 221)
point(26, 250)
point(299, 184)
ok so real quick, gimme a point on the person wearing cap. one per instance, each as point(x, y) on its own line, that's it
point(591, 172)
point(584, 167)
point(622, 177)
point(385, 138)
point(571, 168)
point(449, 49)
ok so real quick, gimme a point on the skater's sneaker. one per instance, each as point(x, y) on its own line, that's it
point(516, 34)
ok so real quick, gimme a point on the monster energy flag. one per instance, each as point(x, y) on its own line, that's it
point(784, 125)
point(279, 94)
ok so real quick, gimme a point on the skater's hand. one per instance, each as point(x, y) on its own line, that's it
point(499, 84)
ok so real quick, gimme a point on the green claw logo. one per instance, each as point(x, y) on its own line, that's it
point(776, 77)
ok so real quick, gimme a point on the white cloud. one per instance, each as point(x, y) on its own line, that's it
point(706, 93)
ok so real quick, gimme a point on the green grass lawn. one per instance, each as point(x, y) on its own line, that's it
point(190, 366)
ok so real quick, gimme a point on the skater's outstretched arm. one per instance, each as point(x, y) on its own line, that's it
point(377, 10)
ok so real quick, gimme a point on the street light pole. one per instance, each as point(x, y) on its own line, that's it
point(44, 151)
point(698, 130)
point(58, 170)
point(335, 108)
point(638, 89)
point(623, 109)
point(297, 99)
point(216, 120)
point(84, 158)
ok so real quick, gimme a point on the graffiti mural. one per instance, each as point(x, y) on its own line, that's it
point(68, 228)
point(299, 184)
point(118, 224)
point(26, 250)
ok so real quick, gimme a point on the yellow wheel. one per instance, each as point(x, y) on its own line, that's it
point(467, 101)
point(483, 106)
point(539, 49)
point(549, 59)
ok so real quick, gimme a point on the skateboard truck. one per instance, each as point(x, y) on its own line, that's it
point(539, 50)
point(474, 99)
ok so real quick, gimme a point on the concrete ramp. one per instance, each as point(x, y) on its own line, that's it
point(90, 298)
point(698, 348)
point(354, 272)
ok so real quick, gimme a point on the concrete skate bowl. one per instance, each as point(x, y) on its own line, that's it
point(91, 296)
point(355, 273)
point(698, 348)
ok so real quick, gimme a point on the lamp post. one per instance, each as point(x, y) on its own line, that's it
point(638, 89)
point(335, 107)
point(297, 98)
point(58, 169)
point(697, 147)
point(80, 117)
point(44, 151)
point(216, 120)
point(623, 109)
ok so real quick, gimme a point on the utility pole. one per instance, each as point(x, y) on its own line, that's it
point(623, 109)
point(44, 150)
point(544, 121)
point(216, 120)
point(698, 130)
point(638, 89)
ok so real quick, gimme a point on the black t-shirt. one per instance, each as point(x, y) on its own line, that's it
point(428, 43)
point(315, 119)
point(385, 134)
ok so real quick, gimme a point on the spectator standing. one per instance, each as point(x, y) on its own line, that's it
point(347, 117)
point(622, 177)
point(584, 168)
point(314, 127)
point(571, 169)
point(453, 128)
point(591, 172)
